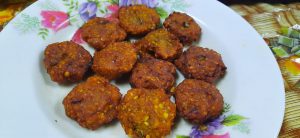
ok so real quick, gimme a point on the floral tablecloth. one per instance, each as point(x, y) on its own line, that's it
point(278, 24)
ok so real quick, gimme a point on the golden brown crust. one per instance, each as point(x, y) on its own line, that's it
point(146, 113)
point(162, 43)
point(92, 103)
point(183, 26)
point(100, 32)
point(197, 101)
point(201, 63)
point(114, 60)
point(153, 74)
point(66, 62)
point(138, 19)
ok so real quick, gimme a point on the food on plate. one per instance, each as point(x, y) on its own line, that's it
point(153, 73)
point(162, 44)
point(146, 110)
point(114, 60)
point(184, 27)
point(93, 103)
point(100, 32)
point(198, 101)
point(146, 113)
point(66, 62)
point(138, 19)
point(201, 63)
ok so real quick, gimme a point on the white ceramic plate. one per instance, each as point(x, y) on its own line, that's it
point(31, 104)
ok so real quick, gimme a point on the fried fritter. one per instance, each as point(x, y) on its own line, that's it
point(93, 103)
point(114, 60)
point(146, 113)
point(138, 19)
point(201, 63)
point(153, 74)
point(184, 27)
point(198, 101)
point(162, 44)
point(66, 62)
point(100, 32)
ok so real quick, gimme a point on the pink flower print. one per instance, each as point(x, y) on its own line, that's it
point(77, 37)
point(113, 8)
point(55, 20)
point(113, 16)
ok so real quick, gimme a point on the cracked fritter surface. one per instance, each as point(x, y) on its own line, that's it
point(146, 113)
point(198, 101)
point(114, 60)
point(162, 44)
point(153, 73)
point(201, 63)
point(184, 27)
point(66, 62)
point(100, 32)
point(138, 19)
point(92, 103)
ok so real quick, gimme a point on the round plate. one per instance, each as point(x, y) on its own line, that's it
point(31, 104)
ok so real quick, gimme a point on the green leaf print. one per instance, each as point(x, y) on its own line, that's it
point(243, 127)
point(43, 32)
point(72, 6)
point(26, 23)
point(48, 5)
point(113, 1)
point(162, 13)
point(102, 11)
point(182, 136)
point(166, 1)
point(73, 19)
point(179, 5)
point(95, 1)
point(226, 108)
point(232, 120)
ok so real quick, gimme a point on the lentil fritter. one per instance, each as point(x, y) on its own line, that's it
point(66, 62)
point(138, 19)
point(198, 101)
point(184, 27)
point(100, 32)
point(201, 63)
point(114, 60)
point(153, 73)
point(162, 44)
point(92, 103)
point(146, 113)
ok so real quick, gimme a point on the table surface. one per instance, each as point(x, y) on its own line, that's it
point(268, 20)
